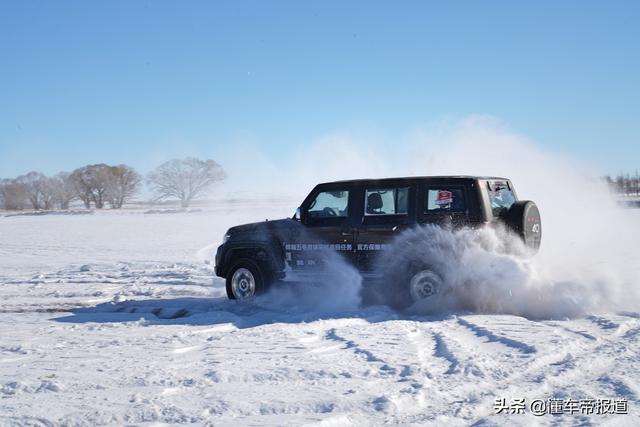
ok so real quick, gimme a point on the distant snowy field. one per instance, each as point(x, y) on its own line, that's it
point(116, 318)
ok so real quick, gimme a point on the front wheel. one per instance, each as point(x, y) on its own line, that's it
point(245, 279)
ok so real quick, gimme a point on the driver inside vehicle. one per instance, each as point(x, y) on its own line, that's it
point(329, 204)
point(374, 204)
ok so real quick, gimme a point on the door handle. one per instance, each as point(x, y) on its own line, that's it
point(345, 233)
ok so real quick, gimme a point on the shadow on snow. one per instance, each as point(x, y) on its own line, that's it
point(211, 311)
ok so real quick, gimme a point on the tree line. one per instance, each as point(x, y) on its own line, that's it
point(99, 185)
point(624, 184)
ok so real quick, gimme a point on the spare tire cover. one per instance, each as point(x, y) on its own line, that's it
point(524, 219)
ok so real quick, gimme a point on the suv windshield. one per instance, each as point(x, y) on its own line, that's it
point(501, 197)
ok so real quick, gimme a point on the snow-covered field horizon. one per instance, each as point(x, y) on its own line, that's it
point(115, 318)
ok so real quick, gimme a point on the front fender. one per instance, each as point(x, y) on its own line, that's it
point(269, 254)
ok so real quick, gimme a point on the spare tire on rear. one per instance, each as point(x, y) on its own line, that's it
point(523, 218)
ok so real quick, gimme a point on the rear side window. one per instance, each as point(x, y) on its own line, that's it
point(330, 204)
point(386, 201)
point(445, 199)
point(501, 197)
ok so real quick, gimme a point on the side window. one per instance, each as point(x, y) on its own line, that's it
point(445, 199)
point(330, 204)
point(386, 201)
point(501, 197)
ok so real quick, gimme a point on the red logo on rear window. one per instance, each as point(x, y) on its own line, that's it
point(444, 198)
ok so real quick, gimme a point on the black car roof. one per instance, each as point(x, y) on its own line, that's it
point(414, 178)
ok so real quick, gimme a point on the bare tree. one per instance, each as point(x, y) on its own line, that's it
point(35, 184)
point(80, 182)
point(624, 184)
point(91, 183)
point(184, 179)
point(62, 189)
point(620, 184)
point(49, 193)
point(122, 183)
point(13, 194)
point(611, 184)
point(99, 181)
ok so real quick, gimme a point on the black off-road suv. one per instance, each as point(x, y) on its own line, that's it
point(359, 219)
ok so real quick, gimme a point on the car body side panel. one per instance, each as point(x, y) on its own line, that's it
point(298, 245)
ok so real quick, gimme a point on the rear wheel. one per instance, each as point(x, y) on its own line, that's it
point(418, 284)
point(245, 279)
point(424, 284)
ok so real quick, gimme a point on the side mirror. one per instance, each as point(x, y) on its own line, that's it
point(298, 214)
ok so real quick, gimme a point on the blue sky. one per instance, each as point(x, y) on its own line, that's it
point(139, 82)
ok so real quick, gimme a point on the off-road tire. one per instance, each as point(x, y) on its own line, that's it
point(401, 296)
point(260, 276)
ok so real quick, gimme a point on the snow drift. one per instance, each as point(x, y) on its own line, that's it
point(588, 260)
point(484, 271)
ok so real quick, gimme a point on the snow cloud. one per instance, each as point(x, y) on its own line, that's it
point(589, 258)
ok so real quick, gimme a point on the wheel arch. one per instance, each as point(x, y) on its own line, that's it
point(269, 255)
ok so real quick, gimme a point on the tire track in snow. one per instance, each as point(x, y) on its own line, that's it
point(582, 334)
point(588, 361)
point(485, 368)
point(492, 337)
point(442, 351)
point(416, 338)
point(332, 335)
point(401, 379)
point(464, 345)
point(603, 323)
point(84, 286)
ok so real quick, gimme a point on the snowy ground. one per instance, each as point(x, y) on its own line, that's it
point(115, 318)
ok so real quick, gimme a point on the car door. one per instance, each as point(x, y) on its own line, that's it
point(388, 209)
point(327, 228)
